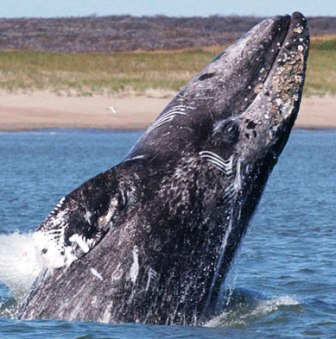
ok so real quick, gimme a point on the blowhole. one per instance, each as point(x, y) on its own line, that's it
point(206, 76)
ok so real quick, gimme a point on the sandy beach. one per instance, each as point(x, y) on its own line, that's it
point(40, 110)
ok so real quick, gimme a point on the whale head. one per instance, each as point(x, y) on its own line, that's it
point(249, 94)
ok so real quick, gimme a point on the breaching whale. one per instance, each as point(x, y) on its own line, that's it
point(151, 239)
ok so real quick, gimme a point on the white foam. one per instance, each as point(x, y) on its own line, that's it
point(265, 307)
point(246, 313)
point(19, 263)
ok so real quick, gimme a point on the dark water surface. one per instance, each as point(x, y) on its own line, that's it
point(283, 284)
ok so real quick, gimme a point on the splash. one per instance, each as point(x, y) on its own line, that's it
point(19, 263)
point(247, 306)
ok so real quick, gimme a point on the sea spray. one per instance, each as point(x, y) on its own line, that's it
point(247, 306)
point(19, 263)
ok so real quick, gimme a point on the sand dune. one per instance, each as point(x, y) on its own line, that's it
point(46, 110)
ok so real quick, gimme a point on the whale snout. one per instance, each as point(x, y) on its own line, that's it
point(281, 93)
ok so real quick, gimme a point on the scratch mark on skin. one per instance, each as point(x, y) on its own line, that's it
point(134, 271)
point(170, 115)
point(96, 274)
point(224, 166)
point(152, 277)
point(136, 158)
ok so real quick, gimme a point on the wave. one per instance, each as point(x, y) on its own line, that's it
point(247, 306)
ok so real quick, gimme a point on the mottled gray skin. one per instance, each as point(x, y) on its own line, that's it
point(162, 227)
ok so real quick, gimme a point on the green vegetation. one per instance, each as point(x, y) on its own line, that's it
point(117, 72)
point(97, 73)
point(321, 72)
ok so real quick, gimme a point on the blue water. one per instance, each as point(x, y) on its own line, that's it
point(283, 284)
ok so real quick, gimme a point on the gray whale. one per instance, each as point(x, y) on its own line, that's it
point(151, 240)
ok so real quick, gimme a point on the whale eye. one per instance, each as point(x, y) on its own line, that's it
point(44, 251)
point(226, 132)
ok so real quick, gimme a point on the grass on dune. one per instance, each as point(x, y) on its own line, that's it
point(321, 70)
point(138, 71)
point(99, 73)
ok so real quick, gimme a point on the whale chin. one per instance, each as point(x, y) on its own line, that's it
point(151, 240)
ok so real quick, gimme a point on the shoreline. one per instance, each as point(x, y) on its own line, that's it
point(44, 110)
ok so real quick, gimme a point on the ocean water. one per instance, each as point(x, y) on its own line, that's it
point(283, 282)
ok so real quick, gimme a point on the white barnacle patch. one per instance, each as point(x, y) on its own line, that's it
point(286, 109)
point(225, 166)
point(105, 219)
point(298, 29)
point(295, 97)
point(81, 242)
point(96, 274)
point(87, 216)
point(278, 102)
point(170, 115)
point(134, 271)
point(300, 48)
point(285, 57)
point(258, 88)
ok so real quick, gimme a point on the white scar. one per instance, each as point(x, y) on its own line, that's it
point(134, 271)
point(96, 274)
